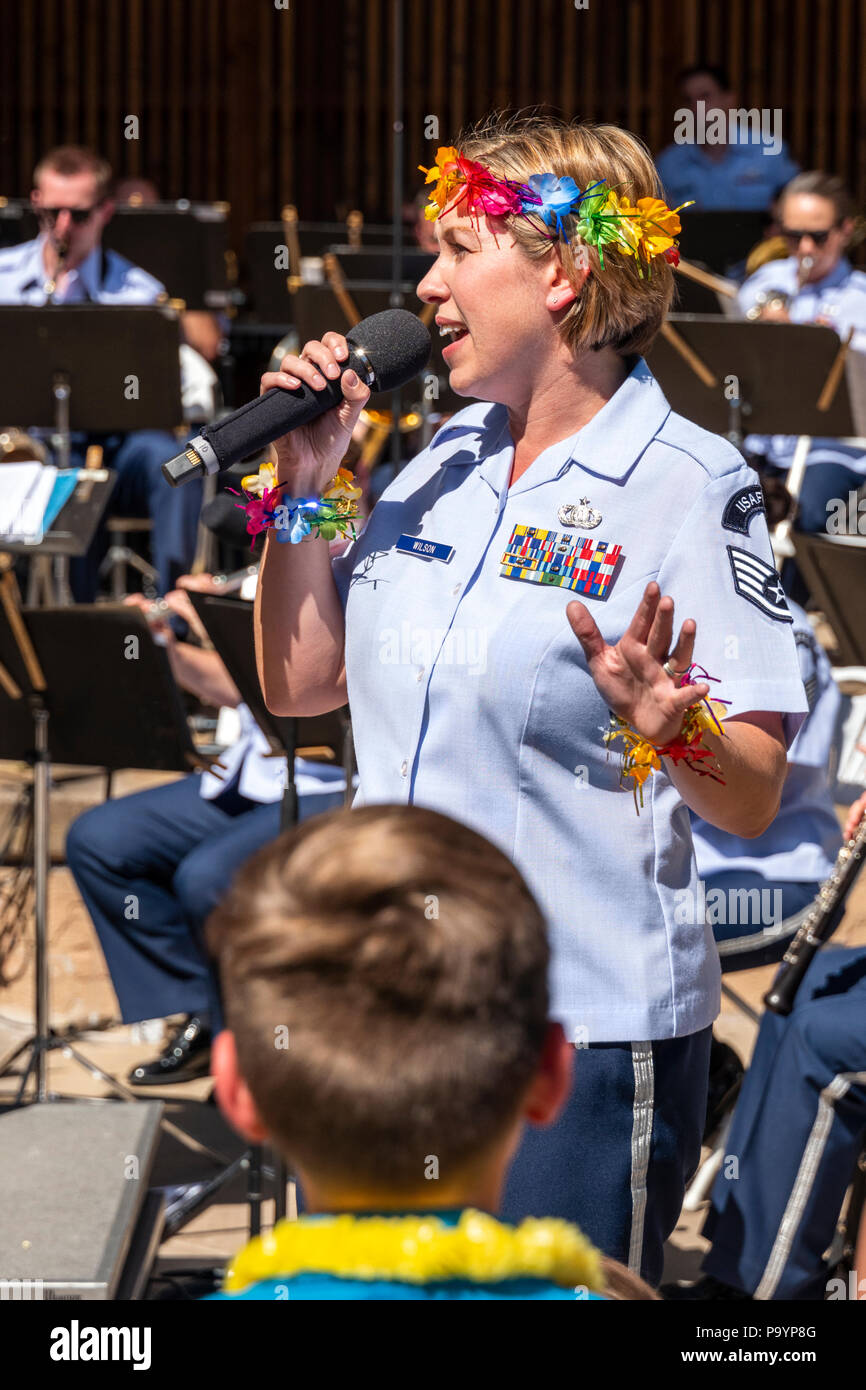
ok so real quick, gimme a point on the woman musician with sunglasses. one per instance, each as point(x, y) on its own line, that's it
point(817, 285)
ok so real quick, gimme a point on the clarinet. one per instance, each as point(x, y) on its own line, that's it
point(820, 924)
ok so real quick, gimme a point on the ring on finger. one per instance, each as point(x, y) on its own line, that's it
point(669, 670)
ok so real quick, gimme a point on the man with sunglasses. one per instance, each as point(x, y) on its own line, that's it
point(815, 216)
point(67, 264)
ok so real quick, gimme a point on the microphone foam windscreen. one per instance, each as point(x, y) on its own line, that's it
point(397, 344)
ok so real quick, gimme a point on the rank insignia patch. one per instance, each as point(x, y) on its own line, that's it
point(758, 582)
point(566, 562)
point(740, 509)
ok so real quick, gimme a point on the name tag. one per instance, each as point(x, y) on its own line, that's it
point(426, 550)
point(563, 560)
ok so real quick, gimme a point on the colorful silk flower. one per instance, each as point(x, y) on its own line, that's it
point(295, 518)
point(642, 758)
point(601, 217)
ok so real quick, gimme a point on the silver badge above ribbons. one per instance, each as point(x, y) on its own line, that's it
point(582, 516)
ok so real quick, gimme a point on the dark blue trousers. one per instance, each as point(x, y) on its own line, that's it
point(799, 1126)
point(141, 491)
point(150, 867)
point(754, 938)
point(619, 1157)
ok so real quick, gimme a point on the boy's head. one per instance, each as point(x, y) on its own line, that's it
point(385, 980)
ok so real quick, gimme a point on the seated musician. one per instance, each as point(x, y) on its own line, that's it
point(798, 1130)
point(756, 890)
point(67, 264)
point(742, 173)
point(171, 852)
point(815, 216)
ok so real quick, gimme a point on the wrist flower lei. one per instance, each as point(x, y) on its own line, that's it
point(295, 518)
point(420, 1250)
point(642, 758)
point(599, 216)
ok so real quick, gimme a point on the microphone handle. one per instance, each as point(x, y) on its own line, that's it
point(259, 422)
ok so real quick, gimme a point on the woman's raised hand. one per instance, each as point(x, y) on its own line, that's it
point(309, 457)
point(630, 677)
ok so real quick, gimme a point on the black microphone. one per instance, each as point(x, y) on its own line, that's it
point(386, 351)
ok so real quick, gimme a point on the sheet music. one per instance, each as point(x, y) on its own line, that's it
point(25, 489)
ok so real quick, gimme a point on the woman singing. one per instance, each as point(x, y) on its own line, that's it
point(523, 671)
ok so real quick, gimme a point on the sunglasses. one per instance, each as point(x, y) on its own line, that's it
point(818, 237)
point(78, 215)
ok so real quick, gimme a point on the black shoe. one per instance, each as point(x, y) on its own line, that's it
point(186, 1055)
point(706, 1290)
point(726, 1078)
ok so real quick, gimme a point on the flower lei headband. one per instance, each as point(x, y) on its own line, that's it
point(647, 229)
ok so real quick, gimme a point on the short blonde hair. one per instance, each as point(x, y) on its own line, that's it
point(69, 160)
point(618, 307)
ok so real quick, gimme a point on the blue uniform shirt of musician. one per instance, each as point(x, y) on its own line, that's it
point(471, 695)
point(746, 179)
point(803, 840)
point(103, 277)
point(840, 298)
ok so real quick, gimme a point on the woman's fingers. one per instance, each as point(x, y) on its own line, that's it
point(337, 344)
point(688, 695)
point(585, 629)
point(322, 358)
point(638, 629)
point(661, 632)
point(681, 655)
point(316, 365)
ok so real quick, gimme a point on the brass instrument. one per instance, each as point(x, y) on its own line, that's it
point(780, 299)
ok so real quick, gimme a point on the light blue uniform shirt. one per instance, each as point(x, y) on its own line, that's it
point(471, 695)
point(802, 843)
point(746, 179)
point(840, 298)
point(102, 278)
point(261, 776)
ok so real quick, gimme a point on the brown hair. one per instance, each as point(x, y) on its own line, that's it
point(821, 185)
point(385, 975)
point(69, 160)
point(617, 306)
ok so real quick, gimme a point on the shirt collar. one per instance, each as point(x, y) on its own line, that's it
point(837, 276)
point(33, 270)
point(608, 446)
point(32, 266)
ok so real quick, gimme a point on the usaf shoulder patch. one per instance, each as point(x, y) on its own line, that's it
point(740, 509)
point(758, 582)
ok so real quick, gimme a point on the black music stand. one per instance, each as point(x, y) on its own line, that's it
point(101, 368)
point(185, 245)
point(229, 625)
point(720, 239)
point(49, 713)
point(737, 378)
point(97, 368)
point(779, 368)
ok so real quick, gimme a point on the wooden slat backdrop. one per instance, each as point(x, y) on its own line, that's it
point(262, 105)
